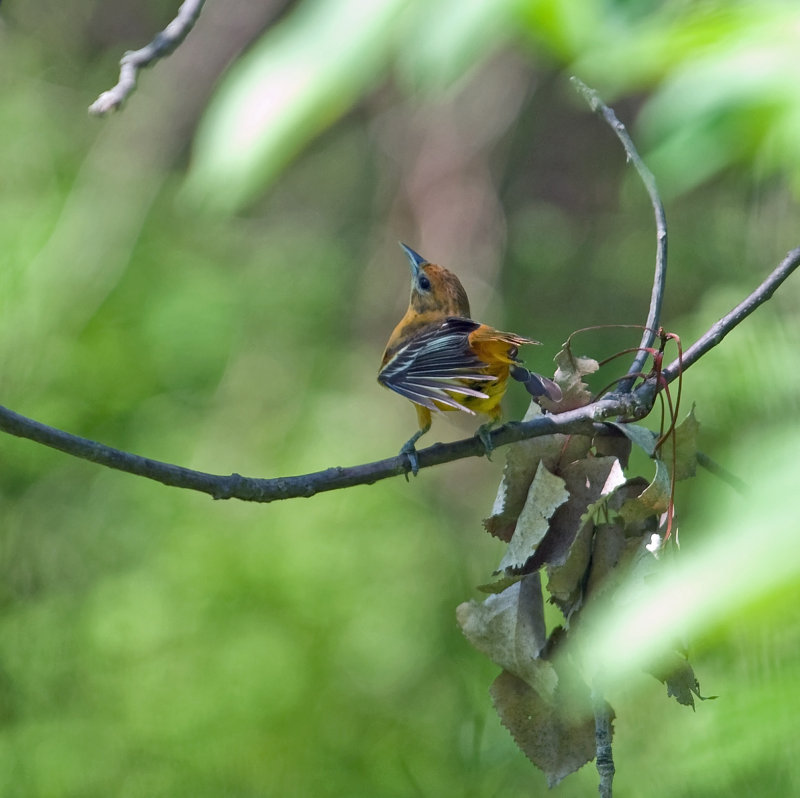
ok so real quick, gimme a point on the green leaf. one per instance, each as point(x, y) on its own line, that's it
point(501, 584)
point(644, 438)
point(449, 38)
point(677, 674)
point(685, 441)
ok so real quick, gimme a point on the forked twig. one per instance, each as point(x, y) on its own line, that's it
point(162, 45)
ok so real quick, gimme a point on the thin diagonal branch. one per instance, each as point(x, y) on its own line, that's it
point(162, 45)
point(660, 273)
point(719, 330)
point(584, 420)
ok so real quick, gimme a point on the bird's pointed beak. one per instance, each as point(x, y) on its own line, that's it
point(414, 258)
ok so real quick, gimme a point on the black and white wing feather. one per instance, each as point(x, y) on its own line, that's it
point(436, 363)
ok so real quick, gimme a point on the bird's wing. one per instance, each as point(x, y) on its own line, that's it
point(434, 364)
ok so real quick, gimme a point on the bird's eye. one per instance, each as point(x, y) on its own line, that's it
point(424, 283)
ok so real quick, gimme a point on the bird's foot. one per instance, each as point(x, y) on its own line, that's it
point(410, 450)
point(483, 433)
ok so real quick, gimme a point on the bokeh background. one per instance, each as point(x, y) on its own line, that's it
point(209, 277)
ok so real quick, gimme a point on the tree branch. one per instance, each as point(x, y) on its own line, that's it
point(660, 274)
point(583, 420)
point(718, 331)
point(603, 735)
point(235, 486)
point(162, 45)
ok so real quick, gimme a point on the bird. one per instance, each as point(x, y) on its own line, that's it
point(442, 360)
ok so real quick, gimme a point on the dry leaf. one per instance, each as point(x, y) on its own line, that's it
point(566, 582)
point(569, 373)
point(546, 494)
point(509, 628)
point(585, 480)
point(610, 548)
point(558, 737)
point(522, 462)
point(618, 446)
point(499, 585)
point(652, 501)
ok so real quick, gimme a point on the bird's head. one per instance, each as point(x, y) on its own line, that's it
point(434, 289)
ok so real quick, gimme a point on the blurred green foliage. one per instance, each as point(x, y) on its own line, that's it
point(176, 283)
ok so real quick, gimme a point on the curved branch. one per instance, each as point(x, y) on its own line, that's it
point(162, 45)
point(584, 420)
point(660, 274)
point(235, 486)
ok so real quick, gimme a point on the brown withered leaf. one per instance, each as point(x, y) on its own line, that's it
point(570, 371)
point(585, 480)
point(618, 551)
point(557, 736)
point(545, 495)
point(618, 446)
point(509, 628)
point(522, 461)
point(566, 582)
point(611, 547)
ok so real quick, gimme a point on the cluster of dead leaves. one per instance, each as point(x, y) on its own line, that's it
point(572, 517)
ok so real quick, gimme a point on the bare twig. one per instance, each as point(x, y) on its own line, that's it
point(660, 273)
point(739, 485)
point(737, 315)
point(162, 45)
point(584, 420)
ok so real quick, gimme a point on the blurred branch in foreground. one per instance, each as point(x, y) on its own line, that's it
point(162, 45)
point(586, 420)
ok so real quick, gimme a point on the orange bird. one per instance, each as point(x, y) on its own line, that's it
point(441, 359)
